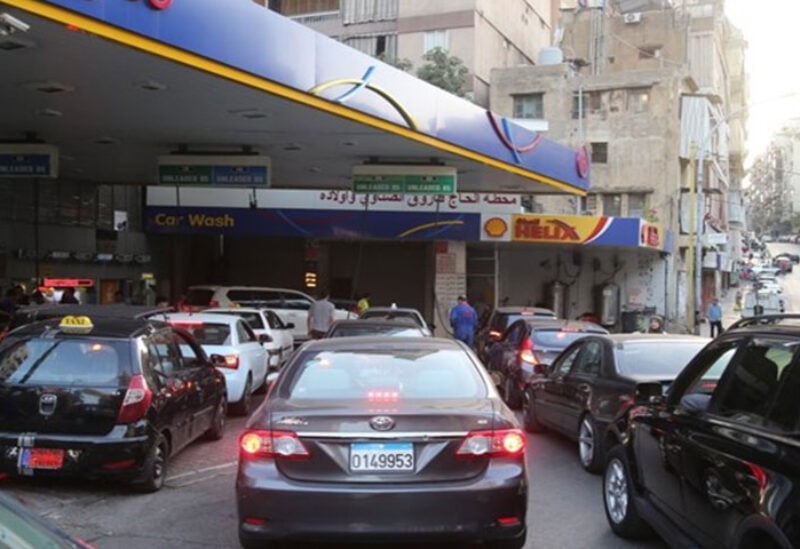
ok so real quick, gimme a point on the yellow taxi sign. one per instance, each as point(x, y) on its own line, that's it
point(76, 324)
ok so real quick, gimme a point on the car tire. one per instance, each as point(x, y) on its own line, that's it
point(532, 424)
point(245, 404)
point(217, 429)
point(155, 467)
point(618, 498)
point(511, 394)
point(590, 450)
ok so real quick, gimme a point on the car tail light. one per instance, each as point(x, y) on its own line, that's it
point(272, 444)
point(503, 443)
point(231, 361)
point(526, 352)
point(383, 396)
point(136, 401)
point(508, 521)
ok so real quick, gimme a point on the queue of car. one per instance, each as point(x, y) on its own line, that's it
point(379, 419)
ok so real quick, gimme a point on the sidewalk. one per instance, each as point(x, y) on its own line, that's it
point(729, 314)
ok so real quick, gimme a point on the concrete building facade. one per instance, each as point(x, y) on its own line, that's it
point(649, 92)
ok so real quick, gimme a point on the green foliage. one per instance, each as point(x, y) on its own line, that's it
point(399, 63)
point(443, 70)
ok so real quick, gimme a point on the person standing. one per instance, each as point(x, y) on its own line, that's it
point(464, 320)
point(714, 316)
point(68, 297)
point(320, 315)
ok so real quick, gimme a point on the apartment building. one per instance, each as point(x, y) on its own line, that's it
point(649, 86)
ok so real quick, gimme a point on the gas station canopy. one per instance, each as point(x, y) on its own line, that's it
point(115, 84)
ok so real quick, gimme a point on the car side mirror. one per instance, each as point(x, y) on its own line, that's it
point(290, 326)
point(217, 361)
point(648, 393)
point(265, 338)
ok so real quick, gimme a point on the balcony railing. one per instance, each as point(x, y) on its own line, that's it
point(313, 18)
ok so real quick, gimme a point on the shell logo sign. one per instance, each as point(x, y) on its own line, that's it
point(495, 227)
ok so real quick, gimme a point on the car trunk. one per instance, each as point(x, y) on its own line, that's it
point(344, 446)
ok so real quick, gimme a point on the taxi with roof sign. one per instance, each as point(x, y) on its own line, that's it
point(104, 398)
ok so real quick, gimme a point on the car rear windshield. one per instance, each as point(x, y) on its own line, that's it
point(252, 297)
point(198, 297)
point(207, 333)
point(390, 315)
point(656, 358)
point(421, 373)
point(395, 331)
point(556, 338)
point(253, 319)
point(73, 362)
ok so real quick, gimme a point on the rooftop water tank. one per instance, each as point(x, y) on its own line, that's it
point(551, 56)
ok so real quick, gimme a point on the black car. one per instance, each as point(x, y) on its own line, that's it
point(495, 325)
point(527, 346)
point(594, 379)
point(715, 462)
point(371, 439)
point(104, 398)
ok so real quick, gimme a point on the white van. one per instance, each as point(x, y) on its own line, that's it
point(769, 302)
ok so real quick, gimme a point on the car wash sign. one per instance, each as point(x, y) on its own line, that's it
point(214, 171)
point(28, 160)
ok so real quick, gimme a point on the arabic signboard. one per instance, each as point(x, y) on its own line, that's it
point(336, 200)
point(28, 160)
point(223, 171)
point(404, 179)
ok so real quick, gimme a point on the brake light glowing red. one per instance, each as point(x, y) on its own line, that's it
point(383, 396)
point(136, 401)
point(502, 443)
point(526, 352)
point(272, 444)
point(508, 521)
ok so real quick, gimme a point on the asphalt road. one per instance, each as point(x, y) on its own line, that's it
point(197, 508)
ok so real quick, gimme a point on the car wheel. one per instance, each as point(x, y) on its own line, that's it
point(532, 424)
point(589, 445)
point(242, 408)
point(155, 467)
point(217, 429)
point(620, 505)
point(511, 394)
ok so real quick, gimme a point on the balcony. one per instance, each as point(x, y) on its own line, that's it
point(316, 18)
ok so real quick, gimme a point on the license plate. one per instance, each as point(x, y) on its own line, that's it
point(381, 456)
point(42, 458)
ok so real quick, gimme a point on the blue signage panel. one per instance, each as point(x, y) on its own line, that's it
point(25, 165)
point(313, 223)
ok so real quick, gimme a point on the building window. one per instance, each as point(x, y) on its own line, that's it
point(588, 204)
point(435, 39)
point(595, 101)
point(600, 153)
point(578, 105)
point(530, 105)
point(612, 205)
point(637, 204)
point(638, 100)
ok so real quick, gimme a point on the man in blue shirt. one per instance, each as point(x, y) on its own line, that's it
point(714, 315)
point(464, 320)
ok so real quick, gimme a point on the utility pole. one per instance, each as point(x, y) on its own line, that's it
point(699, 229)
point(690, 256)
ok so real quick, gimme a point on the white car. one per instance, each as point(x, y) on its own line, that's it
point(275, 336)
point(245, 367)
point(291, 305)
point(390, 313)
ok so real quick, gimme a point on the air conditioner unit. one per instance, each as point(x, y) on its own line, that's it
point(631, 18)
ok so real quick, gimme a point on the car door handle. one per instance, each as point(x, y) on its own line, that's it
point(584, 387)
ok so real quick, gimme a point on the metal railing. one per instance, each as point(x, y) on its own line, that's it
point(319, 17)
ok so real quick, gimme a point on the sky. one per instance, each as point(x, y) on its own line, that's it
point(771, 30)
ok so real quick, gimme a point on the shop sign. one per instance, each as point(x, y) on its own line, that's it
point(565, 229)
point(68, 282)
point(651, 235)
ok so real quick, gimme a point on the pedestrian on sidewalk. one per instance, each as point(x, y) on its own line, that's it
point(714, 316)
point(464, 320)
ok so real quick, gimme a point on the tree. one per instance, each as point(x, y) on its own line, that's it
point(445, 71)
point(399, 63)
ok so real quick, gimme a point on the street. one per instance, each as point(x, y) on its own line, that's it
point(197, 507)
